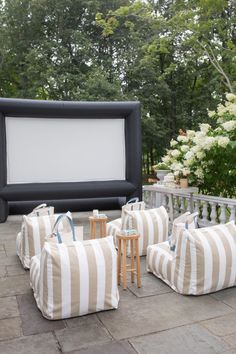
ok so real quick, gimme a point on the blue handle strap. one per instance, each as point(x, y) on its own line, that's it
point(55, 227)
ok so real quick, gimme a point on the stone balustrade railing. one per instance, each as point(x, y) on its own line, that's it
point(211, 210)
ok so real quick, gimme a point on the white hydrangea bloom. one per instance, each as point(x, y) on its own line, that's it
point(175, 153)
point(190, 133)
point(200, 155)
point(184, 148)
point(189, 155)
point(232, 109)
point(208, 142)
point(204, 127)
point(176, 166)
point(211, 113)
point(189, 162)
point(182, 138)
point(196, 148)
point(185, 171)
point(173, 143)
point(199, 173)
point(223, 141)
point(166, 159)
point(176, 173)
point(231, 97)
point(230, 125)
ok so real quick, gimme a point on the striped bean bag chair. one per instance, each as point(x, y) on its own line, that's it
point(204, 260)
point(114, 227)
point(76, 278)
point(34, 229)
point(152, 225)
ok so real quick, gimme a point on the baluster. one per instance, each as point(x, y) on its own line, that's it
point(222, 213)
point(187, 204)
point(196, 206)
point(213, 214)
point(165, 201)
point(232, 212)
point(175, 206)
point(178, 205)
point(204, 212)
point(182, 208)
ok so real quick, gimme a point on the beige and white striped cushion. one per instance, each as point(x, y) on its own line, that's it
point(152, 225)
point(126, 220)
point(159, 261)
point(76, 279)
point(113, 228)
point(204, 260)
point(179, 225)
point(31, 239)
point(42, 210)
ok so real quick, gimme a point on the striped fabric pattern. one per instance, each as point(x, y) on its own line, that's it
point(126, 220)
point(204, 260)
point(113, 228)
point(152, 225)
point(31, 239)
point(160, 262)
point(187, 220)
point(76, 279)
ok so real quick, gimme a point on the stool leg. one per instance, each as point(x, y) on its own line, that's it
point(138, 264)
point(132, 259)
point(124, 266)
point(119, 262)
point(94, 229)
point(91, 228)
point(103, 229)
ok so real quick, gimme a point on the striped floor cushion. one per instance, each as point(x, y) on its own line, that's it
point(152, 225)
point(159, 261)
point(126, 220)
point(113, 228)
point(75, 279)
point(186, 220)
point(204, 260)
point(30, 240)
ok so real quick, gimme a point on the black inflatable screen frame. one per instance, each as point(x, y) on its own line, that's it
point(76, 196)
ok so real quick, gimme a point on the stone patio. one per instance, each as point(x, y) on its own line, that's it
point(150, 320)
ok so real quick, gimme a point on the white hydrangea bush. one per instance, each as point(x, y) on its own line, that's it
point(208, 156)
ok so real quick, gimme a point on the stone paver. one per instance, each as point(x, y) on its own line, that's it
point(16, 270)
point(8, 307)
point(228, 296)
point(14, 285)
point(87, 320)
point(157, 313)
point(190, 339)
point(3, 271)
point(108, 348)
point(9, 260)
point(32, 320)
point(222, 326)
point(231, 340)
point(2, 254)
point(150, 286)
point(10, 328)
point(10, 247)
point(82, 336)
point(39, 344)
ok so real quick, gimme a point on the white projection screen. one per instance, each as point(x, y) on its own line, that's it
point(43, 150)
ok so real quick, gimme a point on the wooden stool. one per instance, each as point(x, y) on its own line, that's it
point(122, 267)
point(102, 222)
